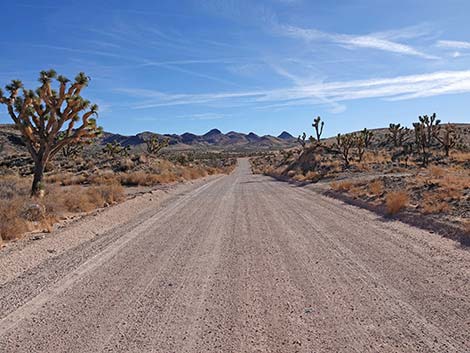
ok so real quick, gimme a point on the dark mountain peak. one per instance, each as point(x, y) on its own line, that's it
point(189, 135)
point(285, 136)
point(213, 132)
point(253, 137)
point(189, 138)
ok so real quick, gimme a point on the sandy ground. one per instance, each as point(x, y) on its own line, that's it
point(240, 263)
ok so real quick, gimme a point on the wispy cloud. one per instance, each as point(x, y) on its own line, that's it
point(330, 93)
point(453, 44)
point(377, 41)
point(199, 116)
point(205, 116)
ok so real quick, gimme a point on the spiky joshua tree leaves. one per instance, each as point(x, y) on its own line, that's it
point(447, 138)
point(396, 134)
point(367, 136)
point(302, 140)
point(425, 131)
point(42, 115)
point(155, 145)
point(345, 143)
point(318, 125)
point(114, 149)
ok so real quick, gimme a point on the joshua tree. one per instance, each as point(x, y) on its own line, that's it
point(396, 134)
point(73, 150)
point(318, 125)
point(367, 136)
point(430, 125)
point(425, 131)
point(344, 143)
point(302, 140)
point(43, 114)
point(154, 145)
point(360, 144)
point(403, 154)
point(114, 149)
point(448, 138)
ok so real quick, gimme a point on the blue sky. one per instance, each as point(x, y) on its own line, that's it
point(263, 66)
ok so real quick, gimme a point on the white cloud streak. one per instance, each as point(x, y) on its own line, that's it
point(329, 93)
point(377, 41)
point(453, 44)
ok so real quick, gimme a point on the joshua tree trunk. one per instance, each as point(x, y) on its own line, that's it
point(39, 166)
point(36, 189)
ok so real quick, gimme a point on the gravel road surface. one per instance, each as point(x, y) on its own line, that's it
point(244, 263)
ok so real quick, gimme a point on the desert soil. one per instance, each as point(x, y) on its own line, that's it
point(240, 263)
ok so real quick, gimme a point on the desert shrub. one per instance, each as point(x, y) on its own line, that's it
point(81, 199)
point(396, 201)
point(376, 187)
point(192, 173)
point(357, 191)
point(466, 227)
point(66, 179)
point(125, 164)
point(111, 193)
point(13, 186)
point(139, 179)
point(104, 178)
point(310, 176)
point(433, 207)
point(437, 172)
point(76, 200)
point(12, 225)
point(341, 186)
point(461, 156)
point(14, 195)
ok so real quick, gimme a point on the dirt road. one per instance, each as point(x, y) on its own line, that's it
point(246, 264)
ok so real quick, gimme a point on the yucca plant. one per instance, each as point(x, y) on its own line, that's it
point(44, 114)
point(155, 145)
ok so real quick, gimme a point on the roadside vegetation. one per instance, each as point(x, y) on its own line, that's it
point(62, 171)
point(422, 170)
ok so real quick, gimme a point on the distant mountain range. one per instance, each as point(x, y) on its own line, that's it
point(212, 139)
point(10, 139)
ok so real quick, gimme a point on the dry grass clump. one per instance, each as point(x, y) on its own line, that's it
point(104, 177)
point(377, 157)
point(436, 171)
point(310, 176)
point(395, 201)
point(66, 179)
point(435, 207)
point(139, 178)
point(19, 213)
point(466, 227)
point(376, 187)
point(439, 201)
point(82, 199)
point(12, 225)
point(460, 156)
point(342, 186)
point(357, 191)
point(191, 173)
point(13, 196)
